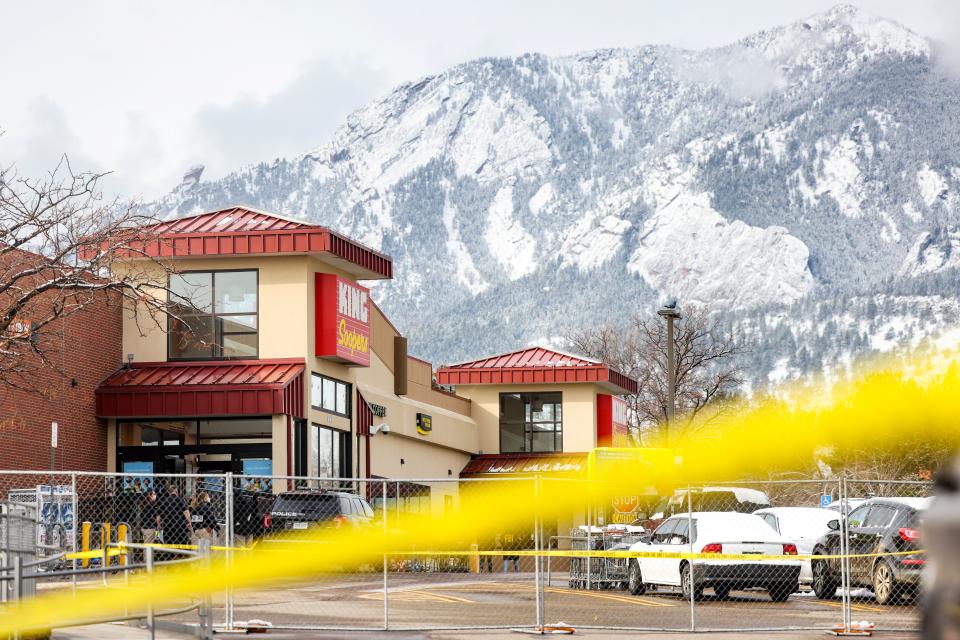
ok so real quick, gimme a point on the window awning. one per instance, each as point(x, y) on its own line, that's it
point(204, 389)
point(487, 466)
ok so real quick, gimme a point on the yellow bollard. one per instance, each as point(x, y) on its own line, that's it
point(85, 542)
point(105, 538)
point(474, 558)
point(123, 535)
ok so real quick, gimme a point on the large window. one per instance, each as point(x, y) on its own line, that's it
point(332, 449)
point(330, 395)
point(531, 422)
point(216, 315)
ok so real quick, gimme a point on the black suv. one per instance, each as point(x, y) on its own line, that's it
point(303, 509)
point(878, 526)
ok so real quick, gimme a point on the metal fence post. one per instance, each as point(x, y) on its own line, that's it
point(148, 557)
point(229, 544)
point(537, 548)
point(206, 607)
point(589, 538)
point(17, 584)
point(846, 603)
point(76, 529)
point(386, 564)
point(693, 581)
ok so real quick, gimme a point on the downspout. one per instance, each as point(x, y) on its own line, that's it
point(289, 451)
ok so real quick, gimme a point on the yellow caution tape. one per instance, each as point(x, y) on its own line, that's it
point(666, 555)
point(918, 398)
point(93, 555)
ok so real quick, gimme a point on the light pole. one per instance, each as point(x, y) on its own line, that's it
point(671, 313)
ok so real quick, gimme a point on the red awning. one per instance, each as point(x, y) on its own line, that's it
point(502, 465)
point(204, 389)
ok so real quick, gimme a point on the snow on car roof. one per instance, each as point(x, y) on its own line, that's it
point(743, 494)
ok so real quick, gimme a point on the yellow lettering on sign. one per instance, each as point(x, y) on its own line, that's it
point(351, 339)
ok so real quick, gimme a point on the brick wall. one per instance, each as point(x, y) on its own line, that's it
point(87, 347)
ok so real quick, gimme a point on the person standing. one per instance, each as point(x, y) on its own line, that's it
point(149, 521)
point(510, 542)
point(174, 517)
point(208, 528)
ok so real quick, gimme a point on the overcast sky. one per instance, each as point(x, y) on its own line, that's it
point(148, 89)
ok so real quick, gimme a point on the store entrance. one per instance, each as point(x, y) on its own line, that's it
point(208, 446)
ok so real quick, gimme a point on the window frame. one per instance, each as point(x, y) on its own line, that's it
point(529, 424)
point(215, 347)
point(339, 450)
point(348, 412)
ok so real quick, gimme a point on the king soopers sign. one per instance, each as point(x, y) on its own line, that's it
point(343, 320)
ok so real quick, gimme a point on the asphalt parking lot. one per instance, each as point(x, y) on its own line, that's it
point(439, 606)
point(504, 600)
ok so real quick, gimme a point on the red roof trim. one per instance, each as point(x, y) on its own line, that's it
point(243, 231)
point(204, 389)
point(535, 365)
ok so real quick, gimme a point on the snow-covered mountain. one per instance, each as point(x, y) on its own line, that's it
point(801, 167)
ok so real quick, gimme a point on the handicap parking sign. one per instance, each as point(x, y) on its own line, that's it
point(825, 501)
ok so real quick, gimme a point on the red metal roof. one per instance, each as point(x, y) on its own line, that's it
point(228, 221)
point(203, 389)
point(535, 365)
point(521, 464)
point(243, 231)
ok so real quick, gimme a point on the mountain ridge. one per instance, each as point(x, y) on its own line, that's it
point(801, 160)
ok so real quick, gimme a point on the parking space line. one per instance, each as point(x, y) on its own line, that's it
point(855, 607)
point(616, 598)
point(416, 595)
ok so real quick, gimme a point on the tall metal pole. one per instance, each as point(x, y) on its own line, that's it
point(671, 375)
point(670, 313)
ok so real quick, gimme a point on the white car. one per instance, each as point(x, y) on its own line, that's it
point(802, 526)
point(715, 532)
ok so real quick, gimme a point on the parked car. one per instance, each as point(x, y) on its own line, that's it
point(803, 526)
point(299, 510)
point(846, 506)
point(740, 533)
point(878, 526)
point(713, 499)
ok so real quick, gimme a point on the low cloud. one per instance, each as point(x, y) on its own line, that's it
point(294, 120)
point(741, 73)
point(946, 42)
point(37, 146)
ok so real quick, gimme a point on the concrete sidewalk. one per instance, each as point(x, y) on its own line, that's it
point(123, 632)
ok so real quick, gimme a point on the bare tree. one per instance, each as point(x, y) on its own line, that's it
point(59, 240)
point(706, 373)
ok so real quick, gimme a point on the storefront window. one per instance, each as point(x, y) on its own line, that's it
point(332, 451)
point(531, 422)
point(330, 395)
point(216, 315)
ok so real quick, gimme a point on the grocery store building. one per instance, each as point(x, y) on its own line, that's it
point(279, 363)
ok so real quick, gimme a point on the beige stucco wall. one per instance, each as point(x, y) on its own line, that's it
point(285, 307)
point(287, 330)
point(579, 413)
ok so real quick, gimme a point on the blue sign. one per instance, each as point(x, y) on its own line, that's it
point(257, 467)
point(140, 483)
point(825, 501)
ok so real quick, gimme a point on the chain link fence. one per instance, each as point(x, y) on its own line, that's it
point(798, 554)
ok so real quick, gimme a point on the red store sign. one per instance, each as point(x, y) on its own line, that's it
point(342, 319)
point(613, 428)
